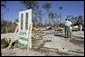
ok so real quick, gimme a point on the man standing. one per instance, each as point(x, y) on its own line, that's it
point(67, 28)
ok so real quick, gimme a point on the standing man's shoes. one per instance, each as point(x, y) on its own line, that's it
point(65, 37)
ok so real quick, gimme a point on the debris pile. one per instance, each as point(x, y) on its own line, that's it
point(4, 43)
point(36, 33)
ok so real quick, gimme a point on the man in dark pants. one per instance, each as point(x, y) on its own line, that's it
point(67, 28)
point(66, 31)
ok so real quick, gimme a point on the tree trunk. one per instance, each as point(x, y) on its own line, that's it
point(80, 27)
point(6, 30)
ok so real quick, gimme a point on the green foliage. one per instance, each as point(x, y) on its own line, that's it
point(30, 4)
point(34, 5)
point(47, 6)
point(60, 8)
point(7, 26)
point(77, 20)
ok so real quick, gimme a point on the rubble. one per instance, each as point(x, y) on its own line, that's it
point(37, 33)
point(4, 43)
point(42, 46)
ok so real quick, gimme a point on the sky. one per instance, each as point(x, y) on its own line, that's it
point(74, 8)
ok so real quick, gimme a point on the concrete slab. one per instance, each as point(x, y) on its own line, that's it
point(61, 44)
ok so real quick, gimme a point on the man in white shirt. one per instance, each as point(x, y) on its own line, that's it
point(67, 28)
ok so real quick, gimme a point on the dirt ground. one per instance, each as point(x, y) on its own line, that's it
point(49, 45)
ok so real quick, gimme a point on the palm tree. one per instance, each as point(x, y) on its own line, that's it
point(52, 16)
point(30, 4)
point(3, 4)
point(80, 22)
point(60, 13)
point(34, 5)
point(47, 6)
point(56, 19)
point(40, 16)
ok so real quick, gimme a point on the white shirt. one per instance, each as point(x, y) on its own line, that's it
point(68, 23)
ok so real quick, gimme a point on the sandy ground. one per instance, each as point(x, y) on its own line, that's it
point(50, 45)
